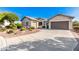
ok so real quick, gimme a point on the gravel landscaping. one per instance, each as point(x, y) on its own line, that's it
point(18, 33)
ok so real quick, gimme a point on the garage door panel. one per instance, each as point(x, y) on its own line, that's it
point(60, 25)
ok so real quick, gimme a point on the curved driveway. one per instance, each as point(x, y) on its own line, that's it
point(45, 40)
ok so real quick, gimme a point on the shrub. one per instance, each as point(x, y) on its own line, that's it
point(10, 31)
point(43, 26)
point(23, 29)
point(47, 27)
point(12, 26)
point(31, 28)
point(19, 25)
point(75, 23)
point(76, 27)
point(8, 27)
point(2, 29)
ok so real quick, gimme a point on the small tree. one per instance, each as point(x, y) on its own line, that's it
point(11, 17)
point(76, 25)
point(19, 25)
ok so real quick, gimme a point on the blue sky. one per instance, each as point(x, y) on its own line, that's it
point(43, 12)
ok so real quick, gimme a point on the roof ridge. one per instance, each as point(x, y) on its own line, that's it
point(65, 15)
point(62, 15)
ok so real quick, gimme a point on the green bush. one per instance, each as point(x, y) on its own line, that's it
point(19, 25)
point(43, 26)
point(23, 29)
point(8, 27)
point(2, 29)
point(10, 31)
point(75, 23)
point(32, 27)
point(12, 26)
point(76, 27)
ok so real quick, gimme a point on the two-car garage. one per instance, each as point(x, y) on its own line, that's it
point(60, 25)
point(61, 22)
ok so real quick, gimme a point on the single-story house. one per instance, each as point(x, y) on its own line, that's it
point(33, 22)
point(59, 21)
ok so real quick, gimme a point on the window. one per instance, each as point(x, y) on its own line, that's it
point(40, 23)
point(26, 23)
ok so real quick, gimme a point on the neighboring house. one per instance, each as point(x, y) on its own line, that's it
point(33, 22)
point(59, 21)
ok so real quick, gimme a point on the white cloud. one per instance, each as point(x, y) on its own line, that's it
point(75, 19)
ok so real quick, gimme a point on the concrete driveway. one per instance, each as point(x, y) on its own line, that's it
point(45, 40)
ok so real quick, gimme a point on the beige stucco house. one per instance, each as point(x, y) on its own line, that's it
point(59, 21)
point(33, 22)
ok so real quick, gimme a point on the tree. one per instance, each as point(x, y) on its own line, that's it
point(19, 25)
point(11, 17)
point(76, 23)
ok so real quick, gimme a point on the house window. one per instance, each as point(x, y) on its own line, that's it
point(27, 23)
point(40, 23)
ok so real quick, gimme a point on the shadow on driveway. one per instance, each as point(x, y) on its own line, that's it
point(77, 47)
point(56, 44)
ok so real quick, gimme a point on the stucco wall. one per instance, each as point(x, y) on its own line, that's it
point(34, 24)
point(26, 20)
point(70, 25)
point(31, 23)
point(60, 18)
